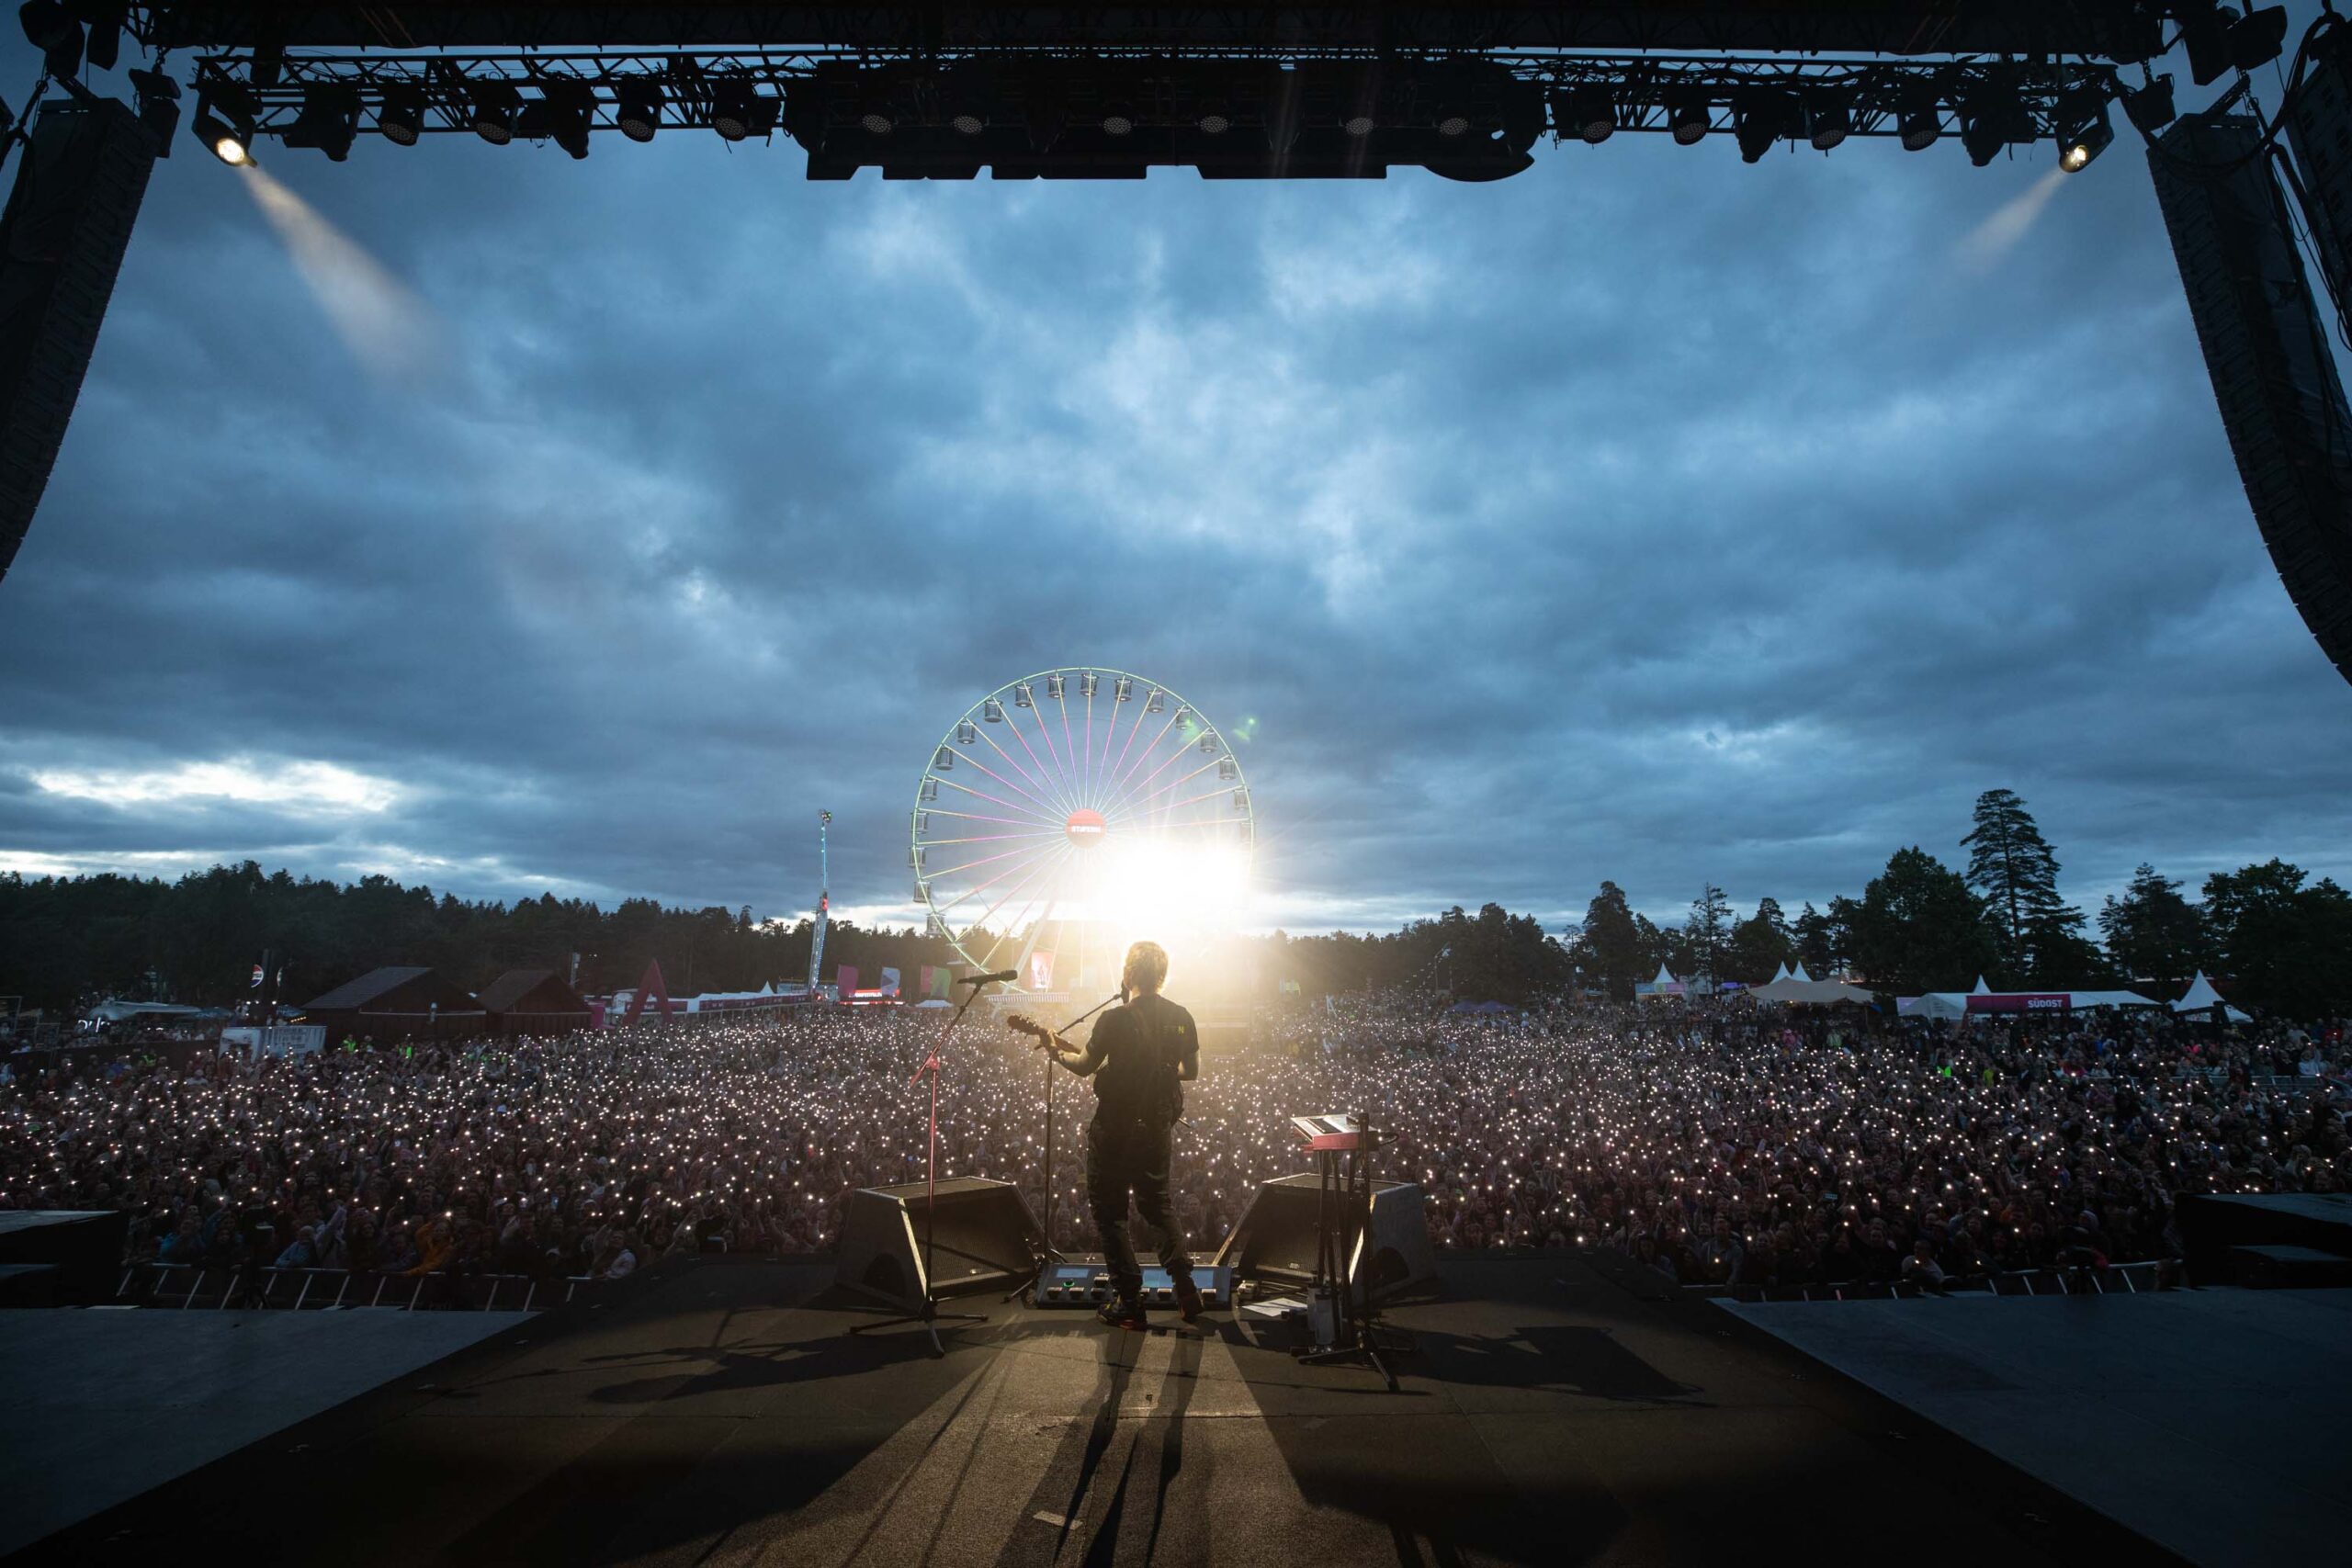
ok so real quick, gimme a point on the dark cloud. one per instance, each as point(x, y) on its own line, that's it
point(1648, 517)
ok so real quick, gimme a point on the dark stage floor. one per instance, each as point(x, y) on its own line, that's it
point(702, 1416)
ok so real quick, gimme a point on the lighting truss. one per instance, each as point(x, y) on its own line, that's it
point(1109, 114)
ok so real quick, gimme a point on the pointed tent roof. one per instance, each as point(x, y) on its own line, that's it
point(1798, 972)
point(1982, 988)
point(1663, 977)
point(1780, 975)
point(2201, 996)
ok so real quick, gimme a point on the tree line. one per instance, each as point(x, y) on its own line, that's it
point(2277, 938)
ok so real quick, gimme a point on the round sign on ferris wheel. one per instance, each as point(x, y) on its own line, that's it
point(1071, 811)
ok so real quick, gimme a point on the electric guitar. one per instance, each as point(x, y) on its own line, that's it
point(1022, 1023)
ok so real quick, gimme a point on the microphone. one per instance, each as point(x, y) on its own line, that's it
point(984, 979)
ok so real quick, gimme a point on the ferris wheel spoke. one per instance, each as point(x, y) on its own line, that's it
point(1042, 768)
point(985, 860)
point(991, 838)
point(1144, 802)
point(1051, 858)
point(1086, 753)
point(1149, 747)
point(1061, 768)
point(1011, 892)
point(1006, 782)
point(1009, 805)
point(1131, 798)
point(1111, 733)
point(1015, 763)
point(1077, 773)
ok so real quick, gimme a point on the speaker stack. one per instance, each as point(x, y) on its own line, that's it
point(1275, 1240)
point(986, 1239)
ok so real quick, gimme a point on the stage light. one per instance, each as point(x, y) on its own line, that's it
point(875, 113)
point(968, 121)
point(1688, 115)
point(1760, 118)
point(1986, 118)
point(2219, 39)
point(1452, 122)
point(638, 110)
point(738, 111)
point(1586, 112)
point(497, 108)
point(1829, 120)
point(571, 111)
point(50, 28)
point(1118, 120)
point(227, 143)
point(2077, 151)
point(1920, 122)
point(2150, 108)
point(400, 118)
point(329, 121)
point(1359, 125)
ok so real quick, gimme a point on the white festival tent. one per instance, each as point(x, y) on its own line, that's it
point(1798, 972)
point(1935, 1004)
point(2201, 996)
point(1817, 993)
point(1779, 974)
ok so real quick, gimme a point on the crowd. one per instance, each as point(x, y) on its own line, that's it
point(1720, 1146)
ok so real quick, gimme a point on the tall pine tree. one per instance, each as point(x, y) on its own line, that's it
point(2015, 871)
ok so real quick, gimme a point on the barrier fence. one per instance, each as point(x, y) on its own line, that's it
point(2116, 1279)
point(189, 1287)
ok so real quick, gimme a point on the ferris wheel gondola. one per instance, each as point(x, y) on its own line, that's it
point(1079, 799)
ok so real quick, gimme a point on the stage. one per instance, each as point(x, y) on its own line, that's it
point(718, 1412)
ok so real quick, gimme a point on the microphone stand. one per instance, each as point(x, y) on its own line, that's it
point(931, 1316)
point(1035, 1288)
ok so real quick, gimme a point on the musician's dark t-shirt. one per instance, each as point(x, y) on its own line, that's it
point(1142, 1045)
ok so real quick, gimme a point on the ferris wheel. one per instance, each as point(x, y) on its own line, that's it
point(1068, 811)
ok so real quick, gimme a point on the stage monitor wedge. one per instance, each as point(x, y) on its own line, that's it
point(987, 1239)
point(1275, 1240)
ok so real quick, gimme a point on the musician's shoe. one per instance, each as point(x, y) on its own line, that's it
point(1124, 1313)
point(1188, 1300)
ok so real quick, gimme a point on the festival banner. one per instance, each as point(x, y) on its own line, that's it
point(890, 982)
point(2021, 1001)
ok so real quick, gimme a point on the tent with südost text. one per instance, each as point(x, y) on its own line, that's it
point(2201, 996)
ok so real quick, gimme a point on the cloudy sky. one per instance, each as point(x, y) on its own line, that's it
point(510, 523)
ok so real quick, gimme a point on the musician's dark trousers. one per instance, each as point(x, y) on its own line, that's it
point(1123, 1159)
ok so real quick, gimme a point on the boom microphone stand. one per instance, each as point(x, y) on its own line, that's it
point(931, 1316)
point(1034, 1288)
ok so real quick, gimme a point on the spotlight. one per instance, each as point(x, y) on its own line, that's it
point(2206, 30)
point(874, 111)
point(1920, 122)
point(1359, 125)
point(1986, 120)
point(50, 28)
point(2089, 138)
point(401, 116)
point(738, 111)
point(1118, 120)
point(1587, 113)
point(1829, 120)
point(571, 111)
point(1452, 122)
point(231, 145)
point(1688, 115)
point(330, 119)
point(1760, 118)
point(639, 111)
point(2150, 108)
point(1214, 122)
point(497, 108)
